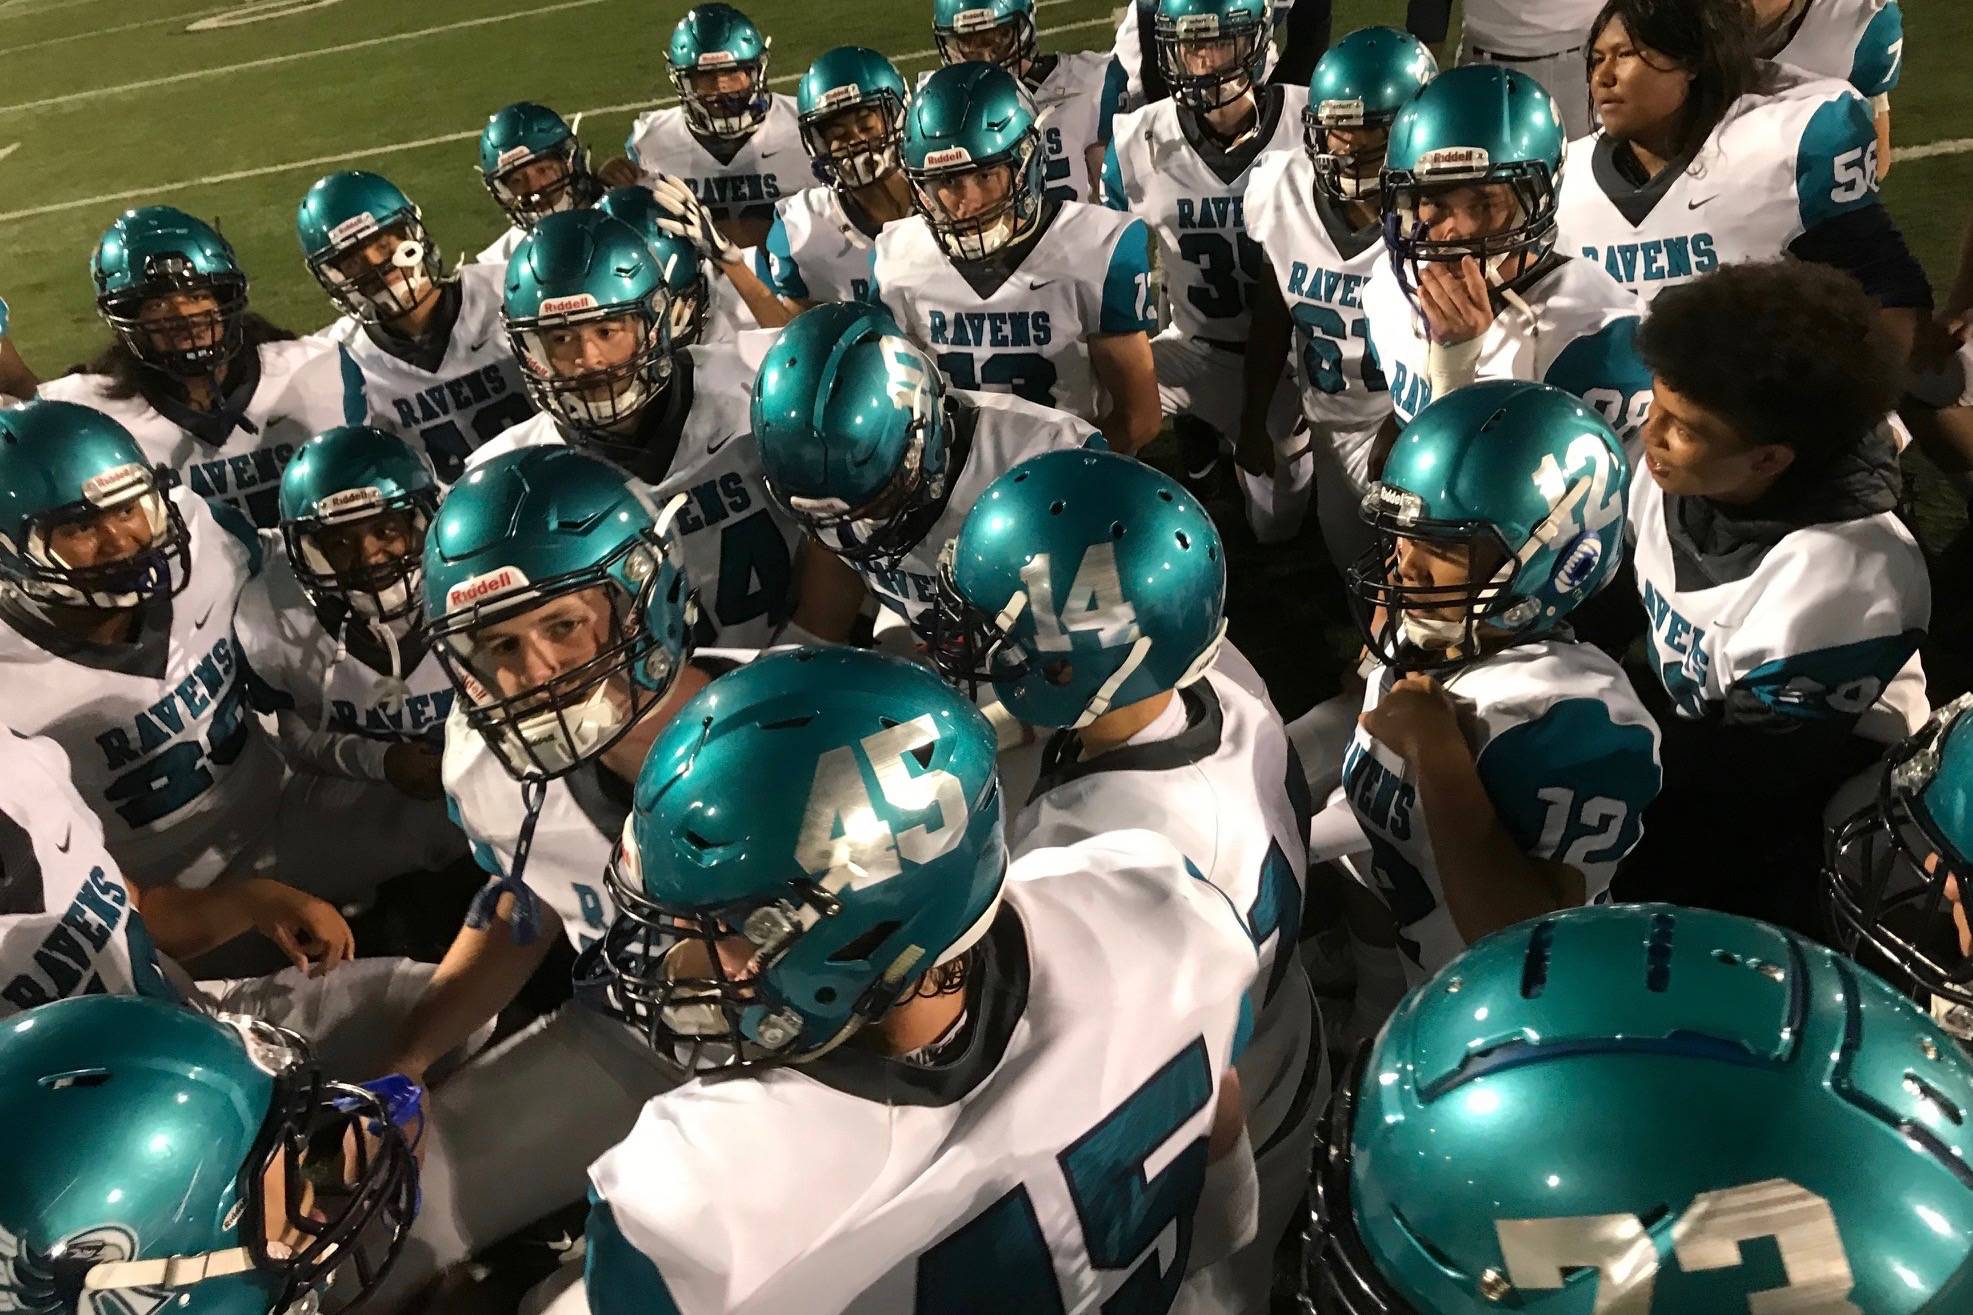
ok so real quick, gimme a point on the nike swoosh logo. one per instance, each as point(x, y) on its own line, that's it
point(769, 155)
point(480, 344)
point(1038, 284)
point(68, 834)
point(719, 443)
point(205, 617)
point(1694, 205)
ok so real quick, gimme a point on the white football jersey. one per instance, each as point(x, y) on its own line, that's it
point(1019, 324)
point(1581, 338)
point(816, 251)
point(581, 820)
point(1001, 432)
point(1568, 757)
point(1010, 1177)
point(349, 680)
point(739, 552)
point(68, 924)
point(158, 734)
point(1163, 167)
point(770, 164)
point(1515, 27)
point(1227, 788)
point(1826, 624)
point(454, 399)
point(294, 391)
point(501, 250)
point(1790, 155)
point(1320, 266)
point(1859, 41)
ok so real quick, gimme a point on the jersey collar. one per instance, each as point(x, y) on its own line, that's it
point(1205, 724)
point(144, 656)
point(241, 382)
point(1634, 201)
point(1041, 70)
point(651, 448)
point(986, 277)
point(1349, 242)
point(1228, 164)
point(426, 353)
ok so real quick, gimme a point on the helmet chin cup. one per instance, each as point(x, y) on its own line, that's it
point(556, 739)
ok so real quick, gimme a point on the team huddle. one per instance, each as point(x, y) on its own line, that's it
point(747, 570)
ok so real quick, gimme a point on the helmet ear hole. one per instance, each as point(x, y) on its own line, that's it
point(857, 951)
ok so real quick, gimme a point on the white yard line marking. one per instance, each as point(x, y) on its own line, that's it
point(6, 151)
point(419, 143)
point(1952, 146)
point(111, 31)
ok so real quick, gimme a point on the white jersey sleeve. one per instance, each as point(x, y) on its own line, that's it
point(1025, 331)
point(1567, 755)
point(769, 165)
point(1049, 1164)
point(1825, 626)
point(1858, 41)
point(68, 924)
point(1076, 95)
point(1578, 333)
point(501, 250)
point(815, 251)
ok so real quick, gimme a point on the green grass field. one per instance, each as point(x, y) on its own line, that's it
point(106, 104)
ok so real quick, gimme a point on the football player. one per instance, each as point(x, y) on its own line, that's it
point(1859, 41)
point(208, 389)
point(1088, 589)
point(1708, 156)
point(1076, 92)
point(1135, 61)
point(331, 634)
point(1545, 41)
point(1013, 292)
point(556, 603)
point(1500, 769)
point(435, 363)
point(1474, 287)
point(1182, 165)
point(588, 318)
point(866, 447)
point(908, 1036)
point(17, 382)
point(532, 164)
point(703, 309)
point(822, 242)
point(1314, 215)
point(734, 144)
point(1455, 1183)
point(184, 1162)
point(1785, 598)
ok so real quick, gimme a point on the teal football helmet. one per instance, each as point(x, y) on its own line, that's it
point(974, 119)
point(520, 532)
point(687, 284)
point(854, 432)
point(709, 43)
point(1482, 126)
point(759, 927)
point(1525, 478)
point(165, 1159)
point(1359, 86)
point(1080, 581)
point(356, 503)
point(1887, 866)
point(533, 164)
point(578, 285)
point(998, 32)
point(837, 85)
point(1211, 52)
point(70, 473)
point(155, 252)
point(366, 244)
point(1653, 1110)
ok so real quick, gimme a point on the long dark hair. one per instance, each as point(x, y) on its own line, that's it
point(1713, 40)
point(126, 373)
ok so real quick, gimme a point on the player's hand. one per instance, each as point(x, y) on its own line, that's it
point(1417, 719)
point(310, 931)
point(1938, 340)
point(1457, 303)
point(688, 219)
point(618, 172)
point(1959, 917)
point(1254, 452)
point(412, 768)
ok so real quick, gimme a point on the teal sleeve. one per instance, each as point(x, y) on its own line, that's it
point(3, 317)
point(776, 263)
point(1604, 369)
point(356, 397)
point(630, 147)
point(146, 973)
point(1113, 180)
point(235, 522)
point(1880, 54)
point(265, 697)
point(1127, 287)
point(1572, 784)
point(617, 1278)
point(1836, 162)
point(1829, 684)
point(1116, 84)
point(482, 854)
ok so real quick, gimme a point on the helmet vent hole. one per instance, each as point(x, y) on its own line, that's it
point(1020, 477)
point(1534, 964)
point(1212, 554)
point(859, 950)
point(1658, 952)
point(1057, 507)
point(1164, 495)
point(788, 723)
point(1184, 540)
point(1925, 1091)
point(825, 995)
point(1727, 957)
point(1116, 529)
point(84, 1077)
point(699, 841)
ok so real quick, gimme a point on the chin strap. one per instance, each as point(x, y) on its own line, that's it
point(525, 918)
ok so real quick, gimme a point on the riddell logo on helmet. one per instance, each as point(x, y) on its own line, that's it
point(950, 155)
point(354, 226)
point(838, 96)
point(1340, 113)
point(482, 587)
point(114, 484)
point(717, 59)
point(340, 504)
point(563, 305)
point(974, 20)
point(1455, 159)
point(1193, 26)
point(512, 155)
